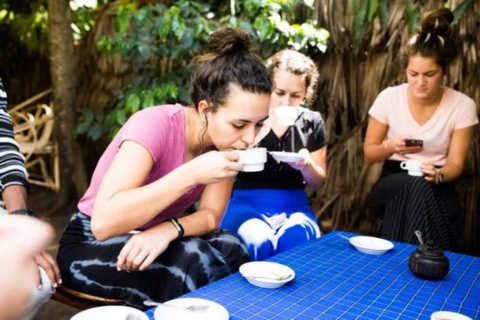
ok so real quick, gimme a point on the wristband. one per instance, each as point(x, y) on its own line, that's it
point(25, 212)
point(178, 226)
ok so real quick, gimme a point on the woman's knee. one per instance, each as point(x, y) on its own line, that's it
point(256, 232)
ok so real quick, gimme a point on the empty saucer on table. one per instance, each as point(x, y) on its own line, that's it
point(371, 245)
point(110, 312)
point(286, 156)
point(266, 274)
point(213, 312)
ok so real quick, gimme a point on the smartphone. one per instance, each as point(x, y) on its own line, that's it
point(413, 142)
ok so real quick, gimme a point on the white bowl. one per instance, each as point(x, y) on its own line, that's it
point(444, 315)
point(262, 274)
point(371, 245)
point(286, 156)
point(109, 312)
point(214, 311)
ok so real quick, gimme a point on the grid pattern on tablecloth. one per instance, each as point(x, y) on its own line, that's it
point(335, 281)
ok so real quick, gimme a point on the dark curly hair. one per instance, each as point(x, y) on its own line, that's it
point(298, 64)
point(434, 39)
point(230, 61)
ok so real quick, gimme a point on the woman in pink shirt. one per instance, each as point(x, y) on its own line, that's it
point(442, 120)
point(127, 240)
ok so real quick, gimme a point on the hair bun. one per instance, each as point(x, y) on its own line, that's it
point(229, 41)
point(438, 22)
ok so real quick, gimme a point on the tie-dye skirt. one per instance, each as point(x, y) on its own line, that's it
point(89, 266)
point(270, 221)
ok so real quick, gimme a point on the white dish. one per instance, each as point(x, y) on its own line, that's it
point(213, 312)
point(286, 156)
point(265, 274)
point(109, 312)
point(440, 315)
point(371, 245)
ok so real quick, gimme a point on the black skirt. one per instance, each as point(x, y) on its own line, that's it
point(89, 266)
point(409, 203)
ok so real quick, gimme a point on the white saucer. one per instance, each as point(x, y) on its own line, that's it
point(213, 312)
point(371, 245)
point(109, 312)
point(262, 274)
point(286, 156)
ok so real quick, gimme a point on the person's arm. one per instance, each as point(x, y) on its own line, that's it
point(213, 204)
point(377, 149)
point(13, 174)
point(15, 197)
point(143, 248)
point(20, 239)
point(314, 167)
point(123, 203)
point(456, 158)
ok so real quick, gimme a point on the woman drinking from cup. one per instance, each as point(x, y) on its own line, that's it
point(126, 240)
point(428, 126)
point(269, 209)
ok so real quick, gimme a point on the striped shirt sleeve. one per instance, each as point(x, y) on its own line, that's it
point(12, 166)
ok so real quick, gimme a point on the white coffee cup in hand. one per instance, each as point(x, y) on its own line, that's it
point(253, 159)
point(413, 167)
point(286, 115)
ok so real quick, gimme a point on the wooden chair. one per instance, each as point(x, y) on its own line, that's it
point(81, 300)
point(33, 130)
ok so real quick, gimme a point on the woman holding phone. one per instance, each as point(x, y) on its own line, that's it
point(426, 121)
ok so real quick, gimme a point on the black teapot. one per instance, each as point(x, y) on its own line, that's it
point(428, 261)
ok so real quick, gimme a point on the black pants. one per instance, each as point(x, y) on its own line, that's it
point(89, 266)
point(410, 203)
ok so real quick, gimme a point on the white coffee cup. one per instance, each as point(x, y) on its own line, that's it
point(286, 115)
point(253, 159)
point(448, 315)
point(413, 167)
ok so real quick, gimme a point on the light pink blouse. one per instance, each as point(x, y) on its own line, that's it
point(455, 111)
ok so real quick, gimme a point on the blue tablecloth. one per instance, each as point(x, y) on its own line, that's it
point(335, 281)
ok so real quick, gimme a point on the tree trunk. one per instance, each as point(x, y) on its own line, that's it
point(63, 66)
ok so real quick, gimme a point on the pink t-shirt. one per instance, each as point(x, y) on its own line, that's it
point(161, 130)
point(455, 111)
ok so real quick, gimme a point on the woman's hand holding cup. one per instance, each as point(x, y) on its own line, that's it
point(215, 166)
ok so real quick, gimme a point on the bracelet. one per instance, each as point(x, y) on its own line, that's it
point(178, 226)
point(25, 212)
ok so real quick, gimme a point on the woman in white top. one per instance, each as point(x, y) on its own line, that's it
point(425, 121)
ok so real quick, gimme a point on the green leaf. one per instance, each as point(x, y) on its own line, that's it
point(133, 103)
point(100, 116)
point(145, 51)
point(360, 19)
point(412, 18)
point(95, 132)
point(148, 100)
point(372, 9)
point(123, 21)
point(89, 116)
point(82, 128)
point(460, 10)
point(384, 12)
point(121, 117)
